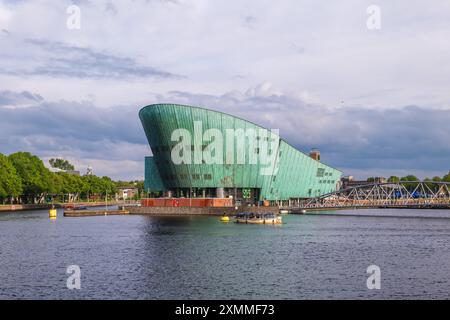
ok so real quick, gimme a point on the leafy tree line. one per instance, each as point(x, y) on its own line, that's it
point(25, 179)
point(409, 180)
point(445, 178)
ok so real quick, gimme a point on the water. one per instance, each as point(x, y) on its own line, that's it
point(309, 257)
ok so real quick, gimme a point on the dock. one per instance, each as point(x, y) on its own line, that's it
point(91, 213)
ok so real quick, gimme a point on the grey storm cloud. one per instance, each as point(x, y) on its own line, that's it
point(63, 60)
point(75, 129)
point(73, 61)
point(18, 98)
point(365, 139)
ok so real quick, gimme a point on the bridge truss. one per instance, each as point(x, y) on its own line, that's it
point(390, 194)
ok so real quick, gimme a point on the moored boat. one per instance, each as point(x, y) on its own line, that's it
point(258, 218)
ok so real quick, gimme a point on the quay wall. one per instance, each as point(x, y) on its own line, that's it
point(182, 211)
point(22, 207)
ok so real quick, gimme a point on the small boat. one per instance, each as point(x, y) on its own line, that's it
point(76, 207)
point(80, 208)
point(258, 218)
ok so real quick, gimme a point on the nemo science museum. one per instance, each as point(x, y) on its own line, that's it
point(201, 153)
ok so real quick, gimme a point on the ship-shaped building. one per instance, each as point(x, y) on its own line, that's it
point(199, 152)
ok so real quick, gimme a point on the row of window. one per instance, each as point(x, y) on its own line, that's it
point(321, 173)
point(326, 181)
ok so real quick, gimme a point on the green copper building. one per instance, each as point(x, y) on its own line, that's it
point(203, 153)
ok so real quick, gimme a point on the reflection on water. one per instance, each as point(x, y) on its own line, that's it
point(140, 257)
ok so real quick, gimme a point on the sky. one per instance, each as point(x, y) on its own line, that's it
point(366, 82)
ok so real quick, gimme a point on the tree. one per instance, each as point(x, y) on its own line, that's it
point(34, 176)
point(409, 178)
point(94, 185)
point(72, 186)
point(109, 186)
point(393, 179)
point(410, 186)
point(436, 179)
point(10, 183)
point(446, 178)
point(61, 164)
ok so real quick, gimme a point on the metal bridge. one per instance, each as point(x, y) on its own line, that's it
point(412, 194)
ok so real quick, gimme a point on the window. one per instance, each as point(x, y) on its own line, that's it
point(207, 176)
point(320, 172)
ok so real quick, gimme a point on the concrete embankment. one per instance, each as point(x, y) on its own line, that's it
point(183, 211)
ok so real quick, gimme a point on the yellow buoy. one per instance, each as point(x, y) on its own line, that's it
point(225, 219)
point(52, 213)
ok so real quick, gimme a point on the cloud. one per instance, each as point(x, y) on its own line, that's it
point(321, 47)
point(17, 99)
point(63, 60)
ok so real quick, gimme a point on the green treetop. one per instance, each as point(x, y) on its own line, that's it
point(10, 183)
point(61, 164)
point(35, 177)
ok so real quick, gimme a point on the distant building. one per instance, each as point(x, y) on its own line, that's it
point(89, 171)
point(127, 192)
point(56, 170)
point(74, 172)
point(349, 181)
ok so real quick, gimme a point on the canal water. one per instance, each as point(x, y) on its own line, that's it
point(319, 256)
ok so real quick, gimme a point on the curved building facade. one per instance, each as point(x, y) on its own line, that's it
point(204, 153)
